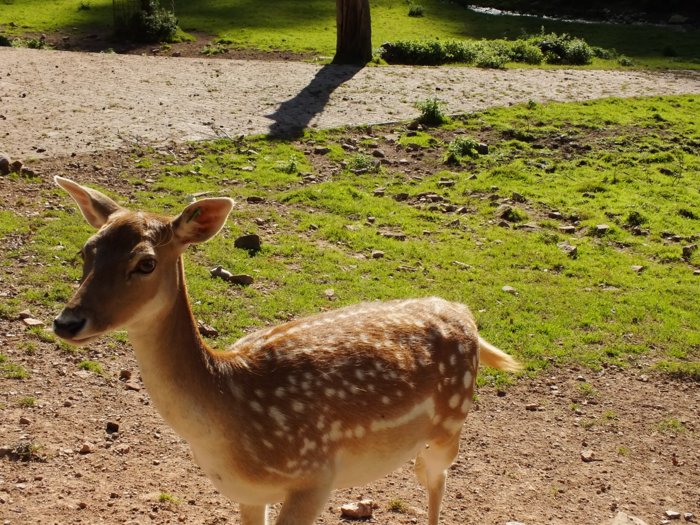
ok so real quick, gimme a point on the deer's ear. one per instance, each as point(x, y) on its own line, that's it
point(95, 206)
point(201, 220)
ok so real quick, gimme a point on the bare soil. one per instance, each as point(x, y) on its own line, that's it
point(568, 447)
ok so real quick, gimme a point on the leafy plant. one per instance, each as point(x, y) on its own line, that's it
point(360, 162)
point(460, 147)
point(670, 425)
point(152, 23)
point(415, 10)
point(431, 112)
point(26, 402)
point(398, 506)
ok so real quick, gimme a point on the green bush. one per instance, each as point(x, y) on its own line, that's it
point(526, 53)
point(461, 147)
point(415, 10)
point(431, 113)
point(563, 49)
point(151, 24)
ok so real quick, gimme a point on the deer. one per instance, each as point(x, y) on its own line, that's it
point(290, 412)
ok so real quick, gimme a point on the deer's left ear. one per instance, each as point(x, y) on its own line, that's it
point(201, 220)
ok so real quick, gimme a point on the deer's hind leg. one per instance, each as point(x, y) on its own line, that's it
point(431, 470)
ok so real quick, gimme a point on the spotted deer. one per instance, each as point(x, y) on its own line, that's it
point(291, 412)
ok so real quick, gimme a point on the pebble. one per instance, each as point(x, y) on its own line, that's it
point(672, 515)
point(357, 511)
point(87, 448)
point(509, 289)
point(250, 242)
point(377, 254)
point(24, 421)
point(587, 456)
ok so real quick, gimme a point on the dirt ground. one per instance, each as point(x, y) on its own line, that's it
point(93, 450)
point(56, 103)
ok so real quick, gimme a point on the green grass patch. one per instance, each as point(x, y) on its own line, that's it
point(630, 290)
point(91, 366)
point(11, 370)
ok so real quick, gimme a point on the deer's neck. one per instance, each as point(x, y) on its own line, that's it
point(175, 363)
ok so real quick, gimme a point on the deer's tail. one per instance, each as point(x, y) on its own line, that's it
point(495, 358)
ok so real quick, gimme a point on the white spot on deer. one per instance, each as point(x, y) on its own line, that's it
point(336, 433)
point(467, 379)
point(256, 407)
point(342, 394)
point(259, 393)
point(454, 401)
point(386, 400)
point(452, 424)
point(280, 391)
point(453, 360)
point(278, 416)
point(359, 431)
point(399, 393)
point(292, 463)
point(297, 406)
point(330, 392)
point(267, 443)
point(442, 368)
point(466, 405)
point(306, 386)
point(423, 409)
point(308, 446)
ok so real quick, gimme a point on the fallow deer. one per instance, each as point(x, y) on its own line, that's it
point(292, 412)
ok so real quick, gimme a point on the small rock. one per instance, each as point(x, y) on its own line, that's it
point(112, 427)
point(379, 192)
point(16, 166)
point(518, 197)
point(514, 523)
point(24, 421)
point(249, 242)
point(24, 314)
point(221, 273)
point(509, 289)
point(555, 215)
point(122, 449)
point(622, 518)
point(401, 197)
point(567, 229)
point(371, 220)
point(125, 375)
point(254, 199)
point(689, 516)
point(30, 321)
point(533, 407)
point(357, 511)
point(445, 183)
point(4, 164)
point(378, 153)
point(330, 294)
point(637, 268)
point(87, 448)
point(82, 505)
point(587, 456)
point(321, 150)
point(672, 515)
point(131, 385)
point(688, 250)
point(206, 330)
point(377, 254)
point(393, 235)
point(568, 249)
point(601, 229)
point(242, 279)
point(482, 149)
point(696, 272)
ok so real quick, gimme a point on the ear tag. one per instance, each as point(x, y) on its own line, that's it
point(196, 213)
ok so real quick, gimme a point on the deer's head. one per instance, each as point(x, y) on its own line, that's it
point(130, 266)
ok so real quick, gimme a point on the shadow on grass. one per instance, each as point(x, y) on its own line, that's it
point(293, 116)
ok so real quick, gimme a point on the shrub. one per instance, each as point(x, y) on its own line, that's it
point(415, 10)
point(4, 41)
point(563, 49)
point(625, 61)
point(461, 147)
point(488, 58)
point(151, 23)
point(360, 163)
point(431, 112)
point(526, 52)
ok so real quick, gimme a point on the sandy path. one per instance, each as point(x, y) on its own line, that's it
point(55, 103)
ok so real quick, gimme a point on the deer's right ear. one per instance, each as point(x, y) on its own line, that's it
point(95, 206)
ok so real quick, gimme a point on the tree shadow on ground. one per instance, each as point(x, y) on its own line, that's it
point(293, 116)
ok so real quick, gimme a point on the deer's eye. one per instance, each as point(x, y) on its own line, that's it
point(146, 265)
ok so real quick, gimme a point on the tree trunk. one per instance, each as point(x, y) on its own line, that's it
point(354, 32)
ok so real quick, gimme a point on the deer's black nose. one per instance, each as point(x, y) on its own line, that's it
point(67, 326)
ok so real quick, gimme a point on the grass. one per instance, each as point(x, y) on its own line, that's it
point(11, 370)
point(309, 26)
point(670, 425)
point(624, 163)
point(91, 366)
